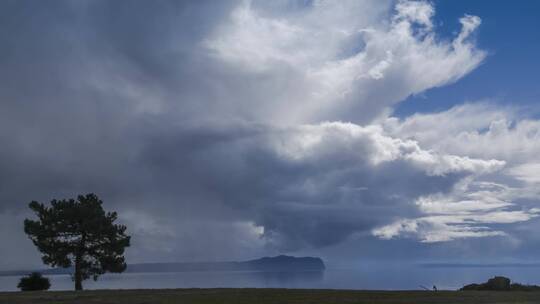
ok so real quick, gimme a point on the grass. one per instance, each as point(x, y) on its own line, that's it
point(266, 296)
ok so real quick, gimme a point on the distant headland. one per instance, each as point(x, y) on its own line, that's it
point(277, 263)
point(282, 263)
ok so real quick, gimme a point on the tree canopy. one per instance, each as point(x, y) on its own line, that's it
point(79, 234)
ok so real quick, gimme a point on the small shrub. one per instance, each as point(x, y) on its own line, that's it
point(471, 287)
point(34, 281)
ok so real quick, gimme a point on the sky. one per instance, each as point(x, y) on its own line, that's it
point(376, 130)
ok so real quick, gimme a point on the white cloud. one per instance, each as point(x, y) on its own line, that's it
point(342, 56)
point(469, 23)
point(461, 214)
point(529, 173)
point(370, 142)
point(416, 11)
point(432, 229)
point(480, 130)
point(483, 131)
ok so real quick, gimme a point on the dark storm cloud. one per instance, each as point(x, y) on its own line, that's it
point(68, 123)
point(70, 74)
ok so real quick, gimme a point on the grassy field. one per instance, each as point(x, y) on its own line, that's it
point(266, 296)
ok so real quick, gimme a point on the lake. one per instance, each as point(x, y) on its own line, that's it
point(370, 276)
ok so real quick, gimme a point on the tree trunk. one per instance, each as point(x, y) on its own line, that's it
point(78, 261)
point(78, 273)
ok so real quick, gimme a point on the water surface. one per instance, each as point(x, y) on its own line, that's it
point(369, 277)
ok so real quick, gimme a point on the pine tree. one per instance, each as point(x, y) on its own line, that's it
point(79, 234)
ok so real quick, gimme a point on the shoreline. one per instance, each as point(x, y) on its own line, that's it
point(267, 295)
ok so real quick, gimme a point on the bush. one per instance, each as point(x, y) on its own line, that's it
point(498, 283)
point(34, 281)
point(501, 284)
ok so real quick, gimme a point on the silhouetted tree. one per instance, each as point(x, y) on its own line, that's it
point(80, 234)
point(34, 281)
